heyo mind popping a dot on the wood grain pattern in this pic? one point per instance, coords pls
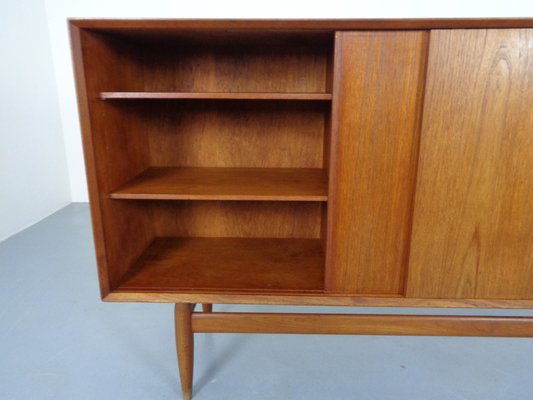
(473, 222)
(161, 26)
(234, 134)
(331, 87)
(353, 324)
(213, 95)
(265, 219)
(206, 307)
(322, 299)
(122, 139)
(184, 346)
(371, 186)
(244, 264)
(274, 184)
(90, 162)
(301, 155)
(235, 67)
(113, 154)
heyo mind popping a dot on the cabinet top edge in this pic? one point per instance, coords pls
(299, 24)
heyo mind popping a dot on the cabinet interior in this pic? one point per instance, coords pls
(211, 157)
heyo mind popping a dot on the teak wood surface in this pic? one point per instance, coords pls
(473, 222)
(427, 198)
(362, 324)
(274, 184)
(248, 264)
(185, 346)
(328, 162)
(375, 156)
(150, 27)
(212, 95)
(387, 222)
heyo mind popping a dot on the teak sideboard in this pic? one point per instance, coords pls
(301, 162)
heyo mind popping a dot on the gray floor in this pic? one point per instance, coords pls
(58, 341)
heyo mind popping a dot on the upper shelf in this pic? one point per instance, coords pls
(214, 95)
(267, 184)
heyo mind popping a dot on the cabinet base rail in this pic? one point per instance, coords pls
(189, 322)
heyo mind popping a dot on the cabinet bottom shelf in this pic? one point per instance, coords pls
(235, 264)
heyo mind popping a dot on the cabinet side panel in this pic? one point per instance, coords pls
(85, 124)
(114, 153)
(379, 82)
(473, 221)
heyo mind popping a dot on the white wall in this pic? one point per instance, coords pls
(59, 10)
(33, 170)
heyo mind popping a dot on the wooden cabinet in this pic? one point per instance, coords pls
(376, 163)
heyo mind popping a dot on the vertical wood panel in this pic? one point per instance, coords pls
(258, 219)
(235, 134)
(113, 153)
(231, 64)
(377, 99)
(473, 221)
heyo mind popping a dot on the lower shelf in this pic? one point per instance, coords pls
(237, 264)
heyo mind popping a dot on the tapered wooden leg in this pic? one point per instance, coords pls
(185, 346)
(207, 307)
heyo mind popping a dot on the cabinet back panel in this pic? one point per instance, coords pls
(235, 134)
(230, 67)
(237, 219)
(377, 100)
(473, 221)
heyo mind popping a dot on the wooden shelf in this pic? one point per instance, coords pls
(235, 264)
(213, 95)
(267, 184)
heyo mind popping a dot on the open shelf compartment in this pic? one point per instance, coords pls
(290, 65)
(235, 264)
(255, 164)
